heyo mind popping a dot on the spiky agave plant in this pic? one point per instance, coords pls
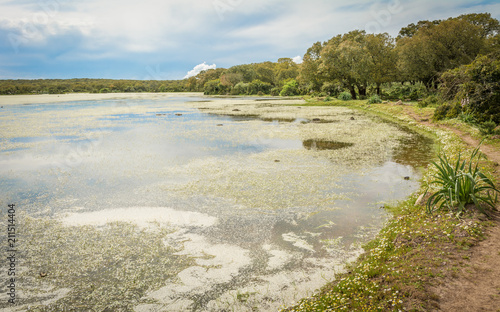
(461, 183)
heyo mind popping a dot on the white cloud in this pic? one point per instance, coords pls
(199, 68)
(297, 59)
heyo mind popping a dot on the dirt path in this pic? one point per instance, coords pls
(476, 286)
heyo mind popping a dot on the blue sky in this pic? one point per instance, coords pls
(153, 39)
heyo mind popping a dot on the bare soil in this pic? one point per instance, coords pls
(476, 285)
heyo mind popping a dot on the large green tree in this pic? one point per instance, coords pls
(284, 70)
(346, 59)
(380, 48)
(437, 48)
(309, 70)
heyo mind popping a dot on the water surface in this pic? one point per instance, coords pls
(246, 212)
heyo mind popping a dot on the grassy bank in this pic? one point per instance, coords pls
(415, 251)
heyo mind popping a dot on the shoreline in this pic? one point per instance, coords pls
(420, 261)
(72, 97)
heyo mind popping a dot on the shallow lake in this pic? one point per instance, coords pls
(194, 204)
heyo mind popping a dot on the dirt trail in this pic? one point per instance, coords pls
(476, 286)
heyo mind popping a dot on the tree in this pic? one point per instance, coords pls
(347, 59)
(285, 69)
(214, 87)
(208, 75)
(490, 27)
(433, 50)
(380, 48)
(412, 29)
(309, 71)
(231, 78)
(191, 84)
(290, 88)
(265, 72)
(456, 42)
(246, 72)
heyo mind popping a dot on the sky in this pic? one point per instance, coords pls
(163, 40)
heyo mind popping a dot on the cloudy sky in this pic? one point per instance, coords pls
(155, 39)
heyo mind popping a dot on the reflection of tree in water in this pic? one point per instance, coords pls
(414, 150)
(324, 145)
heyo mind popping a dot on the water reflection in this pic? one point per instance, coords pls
(324, 145)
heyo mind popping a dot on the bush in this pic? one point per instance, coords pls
(467, 118)
(460, 184)
(398, 91)
(487, 127)
(257, 86)
(240, 88)
(331, 88)
(374, 99)
(447, 110)
(476, 86)
(345, 96)
(431, 100)
(290, 88)
(275, 91)
(214, 87)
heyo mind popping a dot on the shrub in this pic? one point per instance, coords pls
(398, 91)
(345, 96)
(431, 100)
(275, 91)
(460, 184)
(476, 86)
(290, 88)
(374, 99)
(241, 88)
(331, 88)
(214, 87)
(447, 110)
(487, 127)
(467, 118)
(257, 86)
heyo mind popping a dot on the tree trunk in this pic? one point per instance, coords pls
(353, 92)
(378, 89)
(429, 83)
(361, 90)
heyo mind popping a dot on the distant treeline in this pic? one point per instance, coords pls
(59, 86)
